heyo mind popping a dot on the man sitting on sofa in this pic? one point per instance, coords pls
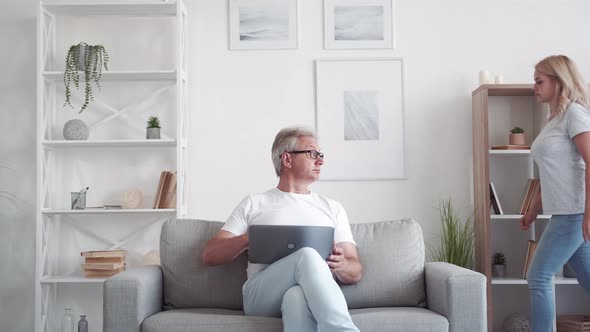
(301, 286)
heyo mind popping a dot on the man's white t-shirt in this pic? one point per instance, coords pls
(561, 167)
(276, 207)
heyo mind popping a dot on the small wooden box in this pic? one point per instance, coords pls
(573, 323)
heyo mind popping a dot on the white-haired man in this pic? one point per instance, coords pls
(300, 288)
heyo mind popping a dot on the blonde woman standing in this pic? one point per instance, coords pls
(561, 152)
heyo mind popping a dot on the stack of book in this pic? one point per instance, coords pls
(166, 193)
(103, 264)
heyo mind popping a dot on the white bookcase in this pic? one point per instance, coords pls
(146, 41)
(497, 109)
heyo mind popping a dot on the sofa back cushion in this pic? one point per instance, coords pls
(187, 282)
(392, 255)
(391, 252)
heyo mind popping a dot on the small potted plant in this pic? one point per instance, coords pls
(87, 58)
(499, 265)
(516, 136)
(153, 128)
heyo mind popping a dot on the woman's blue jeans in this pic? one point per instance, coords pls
(562, 242)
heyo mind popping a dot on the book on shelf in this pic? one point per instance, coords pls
(102, 266)
(102, 260)
(530, 252)
(532, 187)
(511, 147)
(104, 253)
(536, 191)
(165, 197)
(159, 189)
(102, 273)
(494, 200)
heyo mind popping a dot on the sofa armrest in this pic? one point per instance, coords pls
(458, 294)
(130, 297)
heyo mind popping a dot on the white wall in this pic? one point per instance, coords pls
(240, 99)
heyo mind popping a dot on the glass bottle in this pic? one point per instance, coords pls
(67, 322)
(83, 324)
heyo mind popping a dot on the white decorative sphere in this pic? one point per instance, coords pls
(76, 130)
(516, 322)
(132, 199)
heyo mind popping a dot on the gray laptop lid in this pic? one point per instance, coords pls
(269, 243)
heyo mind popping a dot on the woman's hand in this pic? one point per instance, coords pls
(526, 221)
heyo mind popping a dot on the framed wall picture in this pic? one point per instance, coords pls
(263, 24)
(360, 118)
(358, 24)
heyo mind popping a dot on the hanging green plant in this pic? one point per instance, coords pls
(87, 58)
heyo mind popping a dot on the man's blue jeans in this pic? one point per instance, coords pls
(561, 242)
(301, 287)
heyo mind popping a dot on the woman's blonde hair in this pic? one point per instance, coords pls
(570, 84)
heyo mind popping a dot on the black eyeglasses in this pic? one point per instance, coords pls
(313, 154)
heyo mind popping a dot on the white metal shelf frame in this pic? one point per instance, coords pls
(47, 85)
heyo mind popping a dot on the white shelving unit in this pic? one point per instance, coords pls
(497, 109)
(115, 158)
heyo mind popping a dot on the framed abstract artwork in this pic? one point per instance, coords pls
(360, 118)
(263, 24)
(358, 24)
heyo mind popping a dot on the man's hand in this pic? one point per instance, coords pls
(586, 228)
(344, 263)
(336, 260)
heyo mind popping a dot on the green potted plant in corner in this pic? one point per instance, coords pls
(516, 136)
(499, 265)
(153, 128)
(457, 238)
(87, 58)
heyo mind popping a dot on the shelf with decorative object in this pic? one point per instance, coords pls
(497, 110)
(108, 148)
(165, 75)
(134, 143)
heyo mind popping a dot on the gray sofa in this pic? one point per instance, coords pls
(398, 291)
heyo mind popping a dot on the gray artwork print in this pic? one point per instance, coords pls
(361, 115)
(264, 23)
(358, 23)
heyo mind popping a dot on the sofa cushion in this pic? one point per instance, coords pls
(400, 319)
(392, 255)
(213, 320)
(187, 282)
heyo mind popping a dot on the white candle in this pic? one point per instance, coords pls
(484, 77)
(499, 79)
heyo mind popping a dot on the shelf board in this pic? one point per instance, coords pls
(143, 8)
(56, 144)
(120, 75)
(71, 280)
(506, 89)
(559, 280)
(510, 152)
(517, 217)
(106, 211)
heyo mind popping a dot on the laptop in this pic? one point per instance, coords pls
(269, 243)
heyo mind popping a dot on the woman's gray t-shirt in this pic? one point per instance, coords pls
(561, 167)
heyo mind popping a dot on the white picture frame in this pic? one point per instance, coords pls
(360, 118)
(263, 24)
(359, 24)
